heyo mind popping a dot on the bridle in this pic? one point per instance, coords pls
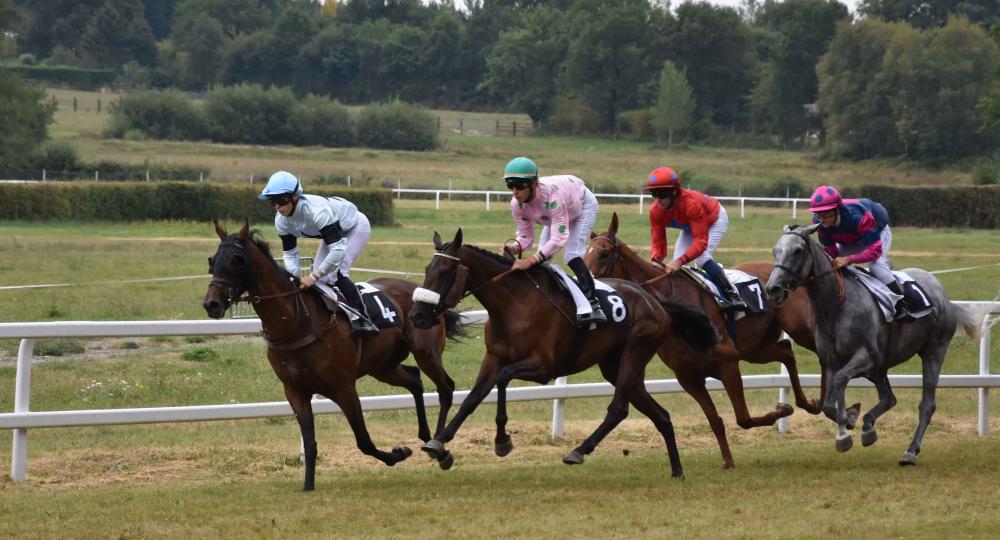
(815, 276)
(616, 259)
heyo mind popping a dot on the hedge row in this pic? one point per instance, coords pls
(136, 201)
(65, 75)
(975, 207)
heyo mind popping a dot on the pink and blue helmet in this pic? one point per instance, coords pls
(824, 198)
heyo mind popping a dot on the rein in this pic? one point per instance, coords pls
(616, 259)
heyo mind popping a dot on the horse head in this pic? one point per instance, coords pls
(231, 269)
(604, 256)
(794, 262)
(445, 281)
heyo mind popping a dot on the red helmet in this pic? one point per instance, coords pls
(663, 178)
(824, 198)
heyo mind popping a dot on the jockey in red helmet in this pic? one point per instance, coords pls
(702, 222)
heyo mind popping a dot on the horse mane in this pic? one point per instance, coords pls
(258, 240)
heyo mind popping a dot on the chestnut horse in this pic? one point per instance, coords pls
(312, 351)
(758, 336)
(531, 335)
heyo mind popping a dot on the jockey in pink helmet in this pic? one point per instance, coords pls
(854, 231)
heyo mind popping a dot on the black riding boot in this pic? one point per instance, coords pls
(731, 299)
(361, 326)
(586, 281)
(903, 305)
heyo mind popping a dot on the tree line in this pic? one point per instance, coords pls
(908, 78)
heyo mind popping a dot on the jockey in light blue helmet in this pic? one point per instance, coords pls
(281, 183)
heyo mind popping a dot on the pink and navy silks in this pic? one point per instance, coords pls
(861, 220)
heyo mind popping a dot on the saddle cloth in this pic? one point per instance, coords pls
(611, 303)
(885, 298)
(381, 311)
(748, 286)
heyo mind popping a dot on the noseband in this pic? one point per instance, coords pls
(815, 276)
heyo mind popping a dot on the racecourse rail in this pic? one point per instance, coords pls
(23, 419)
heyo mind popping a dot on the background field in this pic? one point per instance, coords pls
(241, 478)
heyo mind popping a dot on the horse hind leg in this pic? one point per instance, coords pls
(733, 382)
(886, 401)
(928, 402)
(694, 385)
(782, 352)
(408, 377)
(645, 403)
(345, 395)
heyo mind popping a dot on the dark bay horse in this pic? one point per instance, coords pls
(854, 340)
(758, 336)
(532, 335)
(312, 351)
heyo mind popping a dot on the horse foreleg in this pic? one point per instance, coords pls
(732, 380)
(430, 364)
(859, 363)
(345, 395)
(408, 377)
(928, 402)
(694, 385)
(480, 389)
(302, 407)
(529, 369)
(886, 401)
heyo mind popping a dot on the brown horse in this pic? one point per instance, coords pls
(312, 351)
(758, 336)
(532, 335)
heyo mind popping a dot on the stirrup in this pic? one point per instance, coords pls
(728, 304)
(363, 327)
(595, 316)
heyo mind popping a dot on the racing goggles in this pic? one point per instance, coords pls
(280, 200)
(517, 183)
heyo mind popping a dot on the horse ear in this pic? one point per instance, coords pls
(787, 228)
(219, 230)
(810, 229)
(244, 232)
(437, 241)
(614, 224)
(457, 242)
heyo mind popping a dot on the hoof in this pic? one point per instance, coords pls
(908, 458)
(404, 451)
(308, 487)
(434, 449)
(504, 448)
(844, 443)
(573, 458)
(852, 414)
(447, 461)
(868, 437)
(811, 407)
(784, 409)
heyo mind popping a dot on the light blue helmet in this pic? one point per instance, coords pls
(280, 183)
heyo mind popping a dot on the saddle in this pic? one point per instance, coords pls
(381, 310)
(748, 286)
(611, 302)
(917, 301)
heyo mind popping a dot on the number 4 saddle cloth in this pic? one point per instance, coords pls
(382, 312)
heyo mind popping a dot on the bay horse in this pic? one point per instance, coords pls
(312, 351)
(854, 340)
(532, 335)
(758, 335)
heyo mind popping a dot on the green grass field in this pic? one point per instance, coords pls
(238, 479)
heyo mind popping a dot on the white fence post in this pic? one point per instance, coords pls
(558, 412)
(641, 200)
(743, 207)
(437, 200)
(783, 398)
(22, 400)
(487, 201)
(984, 369)
(795, 207)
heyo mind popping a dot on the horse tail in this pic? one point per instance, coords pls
(693, 326)
(971, 318)
(454, 328)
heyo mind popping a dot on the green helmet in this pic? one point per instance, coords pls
(521, 167)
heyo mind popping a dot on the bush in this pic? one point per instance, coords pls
(159, 115)
(200, 354)
(58, 347)
(57, 156)
(67, 75)
(25, 120)
(987, 173)
(572, 117)
(27, 59)
(637, 123)
(397, 126)
(249, 114)
(953, 206)
(319, 121)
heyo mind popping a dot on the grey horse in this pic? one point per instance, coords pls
(853, 339)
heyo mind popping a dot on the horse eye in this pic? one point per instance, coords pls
(236, 262)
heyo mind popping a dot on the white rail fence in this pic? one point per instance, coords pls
(22, 418)
(504, 198)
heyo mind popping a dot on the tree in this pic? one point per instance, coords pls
(712, 46)
(329, 63)
(118, 32)
(675, 104)
(928, 14)
(199, 56)
(523, 67)
(26, 120)
(801, 31)
(857, 113)
(607, 59)
(9, 15)
(52, 23)
(989, 105)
